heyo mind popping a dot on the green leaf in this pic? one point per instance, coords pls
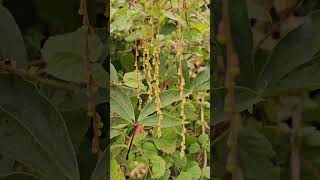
(245, 98)
(30, 123)
(115, 171)
(65, 55)
(113, 73)
(207, 172)
(296, 48)
(255, 155)
(184, 176)
(202, 78)
(121, 104)
(258, 11)
(195, 172)
(306, 77)
(167, 97)
(174, 16)
(242, 41)
(149, 150)
(194, 148)
(167, 141)
(168, 121)
(101, 170)
(6, 166)
(158, 166)
(11, 45)
(130, 80)
(77, 123)
(313, 140)
(203, 138)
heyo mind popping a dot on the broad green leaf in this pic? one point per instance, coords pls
(174, 16)
(195, 172)
(194, 148)
(245, 98)
(65, 55)
(113, 73)
(149, 150)
(255, 155)
(101, 171)
(158, 166)
(168, 121)
(242, 41)
(313, 140)
(203, 138)
(121, 104)
(77, 123)
(207, 172)
(202, 78)
(306, 77)
(30, 123)
(167, 97)
(295, 49)
(184, 176)
(167, 141)
(258, 10)
(115, 171)
(130, 80)
(11, 45)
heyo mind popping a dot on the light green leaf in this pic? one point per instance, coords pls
(195, 172)
(174, 16)
(184, 176)
(168, 121)
(115, 171)
(167, 97)
(194, 148)
(158, 166)
(202, 78)
(130, 80)
(113, 73)
(121, 104)
(167, 141)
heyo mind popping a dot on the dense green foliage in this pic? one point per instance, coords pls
(153, 157)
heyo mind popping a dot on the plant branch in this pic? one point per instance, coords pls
(42, 80)
(234, 118)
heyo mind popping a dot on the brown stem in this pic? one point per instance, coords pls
(295, 144)
(38, 79)
(234, 118)
(203, 132)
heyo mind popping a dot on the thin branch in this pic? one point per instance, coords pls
(42, 80)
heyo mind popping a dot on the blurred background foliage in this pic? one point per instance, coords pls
(277, 90)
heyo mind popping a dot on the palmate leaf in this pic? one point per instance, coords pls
(11, 45)
(30, 123)
(167, 97)
(121, 104)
